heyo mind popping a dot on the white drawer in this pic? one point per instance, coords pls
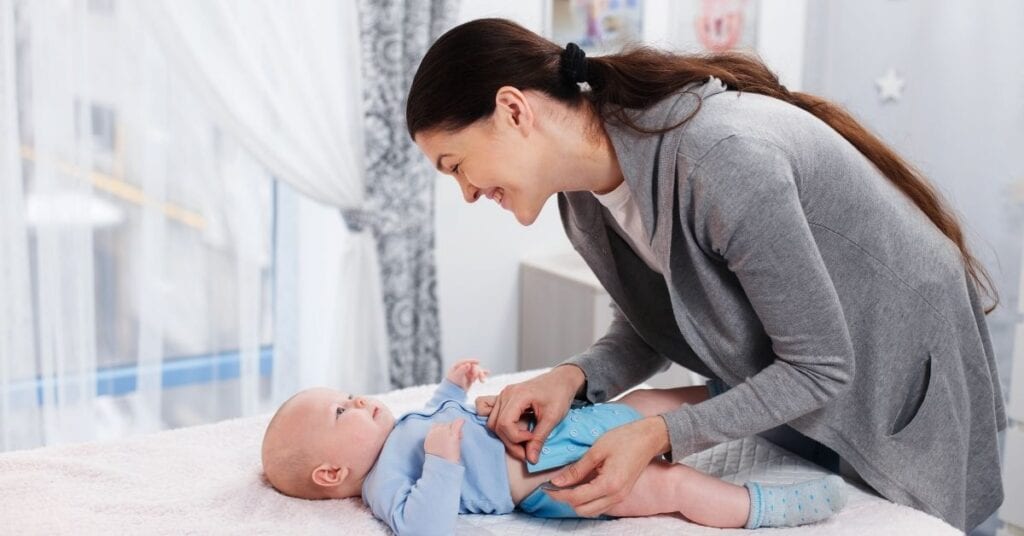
(1012, 510)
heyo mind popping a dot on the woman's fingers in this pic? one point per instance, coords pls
(577, 473)
(545, 423)
(547, 395)
(592, 498)
(597, 507)
(503, 421)
(507, 423)
(580, 495)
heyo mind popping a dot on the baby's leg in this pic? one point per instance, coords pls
(665, 487)
(649, 402)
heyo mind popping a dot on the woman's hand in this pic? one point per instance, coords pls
(548, 395)
(617, 458)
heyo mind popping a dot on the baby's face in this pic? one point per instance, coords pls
(322, 443)
(346, 429)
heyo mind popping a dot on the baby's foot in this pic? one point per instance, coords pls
(795, 504)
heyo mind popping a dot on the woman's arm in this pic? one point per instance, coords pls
(617, 361)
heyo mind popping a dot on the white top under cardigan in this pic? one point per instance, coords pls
(626, 214)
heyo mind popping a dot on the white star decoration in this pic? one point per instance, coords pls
(1017, 191)
(890, 86)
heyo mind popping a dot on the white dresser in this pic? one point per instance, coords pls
(563, 309)
(1012, 511)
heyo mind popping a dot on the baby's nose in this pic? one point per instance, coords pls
(360, 402)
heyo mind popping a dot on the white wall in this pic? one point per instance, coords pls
(479, 247)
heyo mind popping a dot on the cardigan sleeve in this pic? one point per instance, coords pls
(752, 217)
(617, 361)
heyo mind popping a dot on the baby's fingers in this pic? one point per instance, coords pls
(484, 405)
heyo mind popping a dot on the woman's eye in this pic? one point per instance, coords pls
(455, 170)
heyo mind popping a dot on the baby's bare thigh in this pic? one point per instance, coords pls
(521, 482)
(650, 402)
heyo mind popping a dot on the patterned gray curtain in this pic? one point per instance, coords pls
(395, 35)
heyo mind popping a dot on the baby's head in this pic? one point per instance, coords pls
(321, 443)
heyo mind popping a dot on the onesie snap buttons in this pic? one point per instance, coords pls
(545, 450)
(573, 432)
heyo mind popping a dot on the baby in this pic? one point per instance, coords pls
(418, 472)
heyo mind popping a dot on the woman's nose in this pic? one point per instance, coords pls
(469, 192)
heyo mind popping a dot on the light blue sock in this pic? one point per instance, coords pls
(795, 504)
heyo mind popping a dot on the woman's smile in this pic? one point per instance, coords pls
(499, 197)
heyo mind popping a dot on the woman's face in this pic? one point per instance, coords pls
(498, 157)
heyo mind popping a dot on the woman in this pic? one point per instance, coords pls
(757, 236)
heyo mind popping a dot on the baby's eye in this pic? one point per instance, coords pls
(339, 411)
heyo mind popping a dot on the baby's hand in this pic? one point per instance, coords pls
(444, 440)
(465, 372)
(484, 405)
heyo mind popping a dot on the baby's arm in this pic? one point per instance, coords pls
(460, 378)
(429, 505)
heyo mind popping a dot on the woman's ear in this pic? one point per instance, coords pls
(329, 476)
(512, 109)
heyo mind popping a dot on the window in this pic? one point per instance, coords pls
(139, 207)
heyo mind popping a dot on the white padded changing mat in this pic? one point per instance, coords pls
(206, 480)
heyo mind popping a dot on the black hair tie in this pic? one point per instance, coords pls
(573, 67)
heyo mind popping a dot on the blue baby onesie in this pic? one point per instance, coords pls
(418, 493)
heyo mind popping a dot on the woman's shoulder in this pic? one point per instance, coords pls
(751, 116)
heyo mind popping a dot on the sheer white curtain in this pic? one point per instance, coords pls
(16, 341)
(138, 146)
(134, 235)
(283, 79)
(47, 234)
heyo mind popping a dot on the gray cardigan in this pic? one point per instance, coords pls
(796, 273)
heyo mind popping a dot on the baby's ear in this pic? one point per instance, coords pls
(329, 476)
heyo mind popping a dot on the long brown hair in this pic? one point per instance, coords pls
(456, 82)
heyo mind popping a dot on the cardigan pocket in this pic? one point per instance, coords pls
(918, 404)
